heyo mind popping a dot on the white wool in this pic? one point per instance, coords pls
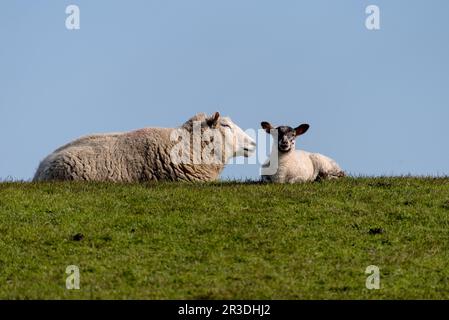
(302, 166)
(141, 155)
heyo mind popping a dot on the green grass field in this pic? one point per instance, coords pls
(226, 240)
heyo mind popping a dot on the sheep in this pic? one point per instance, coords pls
(288, 165)
(150, 153)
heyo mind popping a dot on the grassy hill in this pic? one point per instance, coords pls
(226, 240)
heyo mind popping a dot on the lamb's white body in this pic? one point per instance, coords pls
(302, 166)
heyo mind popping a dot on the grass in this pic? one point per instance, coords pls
(226, 240)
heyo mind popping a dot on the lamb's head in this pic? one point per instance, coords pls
(223, 134)
(285, 135)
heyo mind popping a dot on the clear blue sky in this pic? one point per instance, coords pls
(377, 101)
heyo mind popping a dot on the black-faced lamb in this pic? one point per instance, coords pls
(288, 165)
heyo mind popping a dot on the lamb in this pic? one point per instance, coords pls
(150, 154)
(289, 165)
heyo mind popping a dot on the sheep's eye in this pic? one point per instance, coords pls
(226, 125)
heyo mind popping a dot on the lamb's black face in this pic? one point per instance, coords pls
(286, 138)
(285, 135)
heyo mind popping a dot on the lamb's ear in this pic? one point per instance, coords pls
(212, 121)
(267, 126)
(301, 129)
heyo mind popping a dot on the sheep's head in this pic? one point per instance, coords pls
(236, 141)
(285, 135)
(219, 134)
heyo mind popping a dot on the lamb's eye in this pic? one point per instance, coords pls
(226, 125)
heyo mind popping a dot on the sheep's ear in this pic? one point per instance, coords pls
(267, 126)
(212, 121)
(301, 129)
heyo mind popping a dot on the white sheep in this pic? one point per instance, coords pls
(150, 153)
(289, 165)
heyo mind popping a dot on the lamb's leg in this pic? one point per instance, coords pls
(326, 167)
